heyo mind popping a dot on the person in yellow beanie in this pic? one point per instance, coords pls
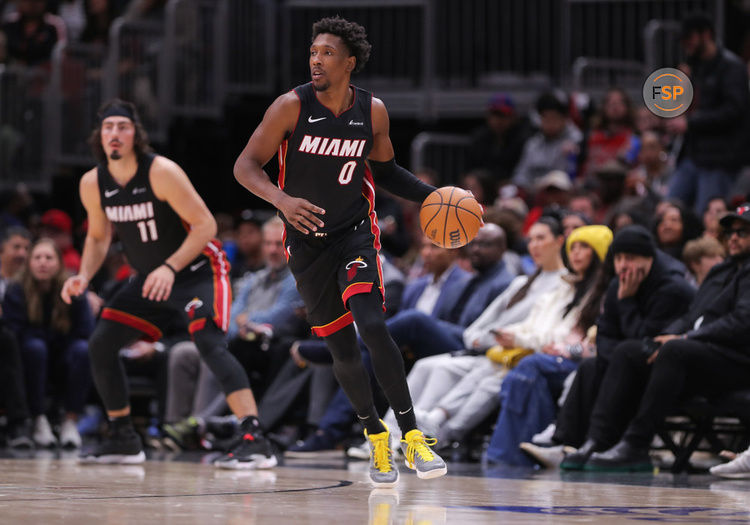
(530, 390)
(596, 236)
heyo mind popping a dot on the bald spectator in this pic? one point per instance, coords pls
(424, 335)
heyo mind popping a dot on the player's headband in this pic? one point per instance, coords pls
(117, 111)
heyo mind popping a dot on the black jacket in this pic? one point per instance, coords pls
(716, 280)
(718, 120)
(662, 297)
(726, 316)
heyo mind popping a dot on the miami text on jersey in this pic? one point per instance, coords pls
(332, 147)
(130, 212)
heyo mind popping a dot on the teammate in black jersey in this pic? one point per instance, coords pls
(167, 233)
(324, 132)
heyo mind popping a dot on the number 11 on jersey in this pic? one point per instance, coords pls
(148, 229)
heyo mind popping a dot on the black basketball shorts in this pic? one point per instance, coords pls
(332, 268)
(201, 292)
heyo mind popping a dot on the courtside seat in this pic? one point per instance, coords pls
(707, 424)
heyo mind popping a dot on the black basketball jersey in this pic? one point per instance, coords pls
(149, 229)
(323, 160)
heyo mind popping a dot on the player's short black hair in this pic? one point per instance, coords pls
(697, 22)
(352, 34)
(140, 143)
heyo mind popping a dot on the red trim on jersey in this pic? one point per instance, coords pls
(283, 147)
(333, 326)
(299, 112)
(354, 99)
(198, 324)
(222, 286)
(368, 191)
(152, 332)
(287, 253)
(354, 289)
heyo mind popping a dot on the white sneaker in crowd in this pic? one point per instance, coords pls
(69, 436)
(547, 457)
(43, 435)
(738, 468)
(361, 451)
(544, 438)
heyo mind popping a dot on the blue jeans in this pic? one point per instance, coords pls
(528, 405)
(695, 186)
(36, 357)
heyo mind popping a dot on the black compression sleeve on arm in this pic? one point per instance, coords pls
(399, 181)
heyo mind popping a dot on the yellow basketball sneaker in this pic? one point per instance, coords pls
(383, 471)
(420, 457)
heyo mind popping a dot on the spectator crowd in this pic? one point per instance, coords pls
(610, 281)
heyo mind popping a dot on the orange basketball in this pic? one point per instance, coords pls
(450, 217)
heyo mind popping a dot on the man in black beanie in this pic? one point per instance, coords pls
(704, 352)
(643, 298)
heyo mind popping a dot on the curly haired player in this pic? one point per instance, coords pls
(333, 147)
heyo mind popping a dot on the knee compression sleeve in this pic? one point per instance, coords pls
(212, 346)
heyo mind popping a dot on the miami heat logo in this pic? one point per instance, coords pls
(192, 306)
(351, 267)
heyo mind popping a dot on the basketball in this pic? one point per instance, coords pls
(450, 217)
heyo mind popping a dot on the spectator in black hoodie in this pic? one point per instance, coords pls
(648, 292)
(704, 352)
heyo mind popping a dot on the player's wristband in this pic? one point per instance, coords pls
(170, 267)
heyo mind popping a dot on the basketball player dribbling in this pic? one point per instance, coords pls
(333, 146)
(167, 234)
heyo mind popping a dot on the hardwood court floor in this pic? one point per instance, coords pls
(56, 491)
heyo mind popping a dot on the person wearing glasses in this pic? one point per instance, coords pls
(704, 352)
